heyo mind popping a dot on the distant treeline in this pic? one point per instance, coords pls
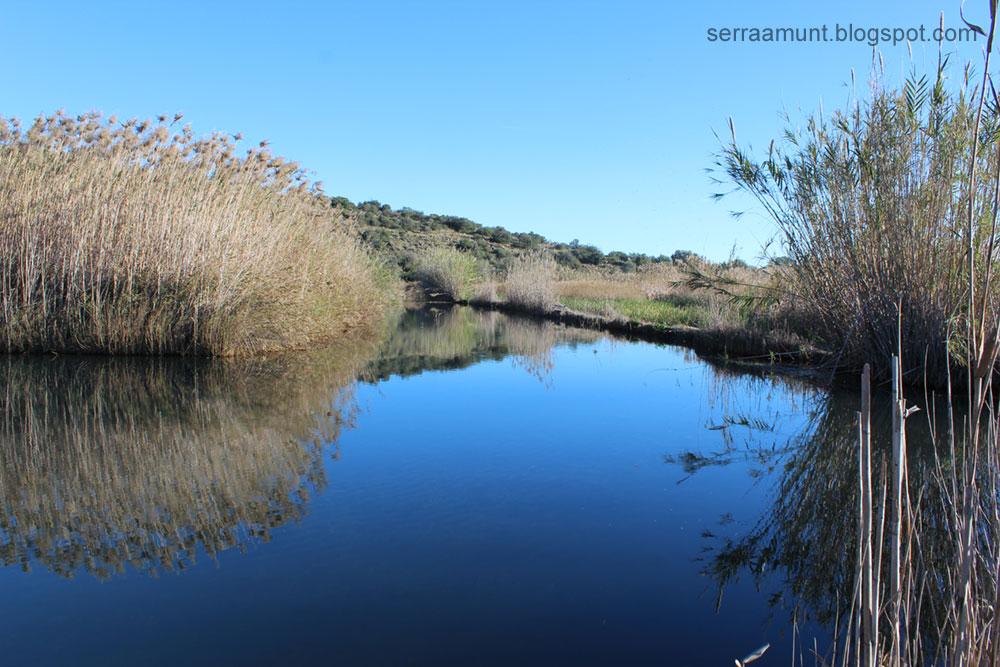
(385, 228)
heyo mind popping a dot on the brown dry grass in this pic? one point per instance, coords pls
(648, 283)
(140, 238)
(531, 283)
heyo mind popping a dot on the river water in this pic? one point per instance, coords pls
(472, 488)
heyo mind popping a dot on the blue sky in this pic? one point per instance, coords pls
(588, 120)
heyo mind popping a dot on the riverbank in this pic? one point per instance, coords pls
(733, 344)
(748, 349)
(657, 304)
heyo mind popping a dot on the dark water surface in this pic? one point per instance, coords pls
(473, 489)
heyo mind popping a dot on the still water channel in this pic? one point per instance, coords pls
(472, 488)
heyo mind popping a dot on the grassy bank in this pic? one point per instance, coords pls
(139, 237)
(655, 294)
(655, 303)
(662, 313)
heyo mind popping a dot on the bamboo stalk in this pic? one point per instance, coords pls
(866, 651)
(896, 527)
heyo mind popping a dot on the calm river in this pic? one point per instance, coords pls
(471, 489)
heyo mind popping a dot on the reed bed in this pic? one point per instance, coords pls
(888, 211)
(927, 585)
(138, 237)
(872, 204)
(530, 283)
(926, 562)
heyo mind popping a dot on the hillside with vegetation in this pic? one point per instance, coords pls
(454, 258)
(405, 234)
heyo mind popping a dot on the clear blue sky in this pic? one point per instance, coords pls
(589, 120)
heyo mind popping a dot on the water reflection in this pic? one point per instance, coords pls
(111, 463)
(511, 516)
(107, 462)
(450, 338)
(808, 535)
(749, 419)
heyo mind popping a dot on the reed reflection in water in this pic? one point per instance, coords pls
(450, 338)
(147, 462)
(808, 535)
(108, 462)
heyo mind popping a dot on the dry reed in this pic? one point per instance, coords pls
(138, 237)
(530, 283)
(938, 601)
(871, 204)
(450, 272)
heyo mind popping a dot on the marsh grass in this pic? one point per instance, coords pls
(651, 282)
(530, 283)
(926, 564)
(487, 290)
(926, 588)
(451, 272)
(888, 211)
(663, 294)
(138, 237)
(664, 313)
